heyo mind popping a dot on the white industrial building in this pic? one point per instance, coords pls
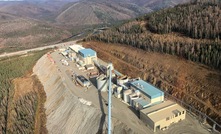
(160, 116)
(76, 48)
(88, 56)
(148, 92)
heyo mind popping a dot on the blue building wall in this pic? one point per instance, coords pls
(87, 52)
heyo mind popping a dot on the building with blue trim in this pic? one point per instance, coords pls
(88, 56)
(148, 92)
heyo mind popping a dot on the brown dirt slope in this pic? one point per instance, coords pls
(195, 84)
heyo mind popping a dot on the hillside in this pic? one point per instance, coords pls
(42, 10)
(22, 33)
(95, 12)
(174, 61)
(151, 33)
(74, 13)
(194, 20)
(84, 12)
(158, 4)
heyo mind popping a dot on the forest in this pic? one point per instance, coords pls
(190, 31)
(17, 116)
(199, 20)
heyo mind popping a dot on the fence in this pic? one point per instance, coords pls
(202, 117)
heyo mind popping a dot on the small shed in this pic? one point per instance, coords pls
(89, 67)
(83, 81)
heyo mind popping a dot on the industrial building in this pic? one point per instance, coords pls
(88, 56)
(148, 92)
(82, 81)
(160, 116)
(126, 94)
(118, 91)
(89, 67)
(76, 48)
(140, 104)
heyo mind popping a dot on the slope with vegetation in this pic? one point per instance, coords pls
(172, 60)
(200, 20)
(40, 10)
(158, 4)
(84, 12)
(21, 96)
(139, 34)
(22, 33)
(98, 12)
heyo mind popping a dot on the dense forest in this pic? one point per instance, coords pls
(199, 20)
(18, 116)
(190, 31)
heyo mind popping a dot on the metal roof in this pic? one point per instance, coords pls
(87, 52)
(76, 48)
(162, 111)
(146, 88)
(142, 102)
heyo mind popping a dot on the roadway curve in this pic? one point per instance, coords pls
(36, 49)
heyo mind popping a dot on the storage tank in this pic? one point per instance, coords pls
(122, 80)
(102, 83)
(126, 95)
(132, 97)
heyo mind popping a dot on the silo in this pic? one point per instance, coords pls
(132, 97)
(102, 83)
(126, 95)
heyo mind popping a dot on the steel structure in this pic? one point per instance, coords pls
(110, 68)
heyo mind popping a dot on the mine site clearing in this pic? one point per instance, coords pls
(84, 74)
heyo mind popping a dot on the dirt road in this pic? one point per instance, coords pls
(36, 49)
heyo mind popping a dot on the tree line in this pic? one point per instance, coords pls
(11, 68)
(200, 20)
(180, 38)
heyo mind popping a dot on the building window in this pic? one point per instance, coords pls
(168, 118)
(183, 112)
